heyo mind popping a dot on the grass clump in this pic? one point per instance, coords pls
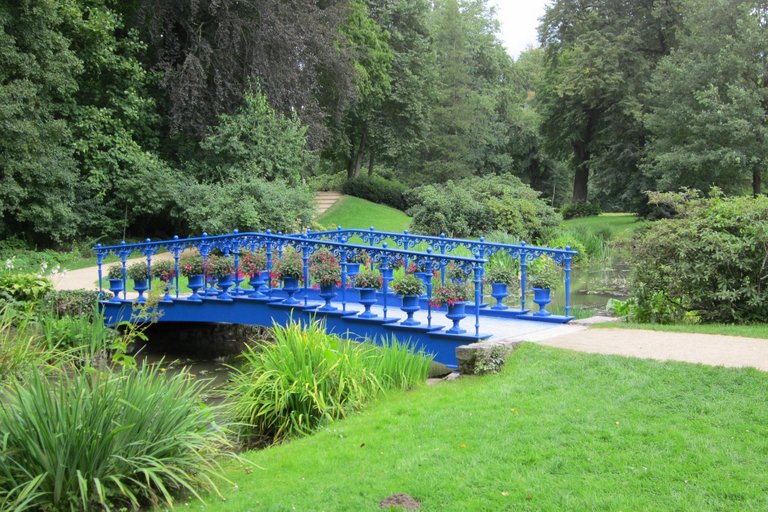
(96, 440)
(355, 213)
(306, 377)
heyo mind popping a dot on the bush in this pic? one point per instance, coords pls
(377, 189)
(709, 262)
(580, 209)
(474, 206)
(307, 376)
(23, 287)
(93, 441)
(74, 302)
(408, 284)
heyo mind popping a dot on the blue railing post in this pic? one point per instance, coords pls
(176, 255)
(429, 290)
(124, 252)
(99, 261)
(442, 261)
(305, 259)
(343, 264)
(567, 268)
(148, 254)
(204, 250)
(482, 269)
(236, 257)
(478, 268)
(523, 264)
(269, 261)
(385, 279)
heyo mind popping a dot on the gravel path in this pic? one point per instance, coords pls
(710, 349)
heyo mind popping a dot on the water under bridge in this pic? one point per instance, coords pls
(258, 299)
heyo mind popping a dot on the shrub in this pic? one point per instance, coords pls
(253, 262)
(710, 261)
(306, 377)
(191, 265)
(115, 271)
(544, 273)
(165, 270)
(377, 189)
(598, 245)
(73, 302)
(23, 287)
(501, 273)
(473, 206)
(408, 284)
(580, 209)
(220, 266)
(455, 272)
(93, 441)
(291, 264)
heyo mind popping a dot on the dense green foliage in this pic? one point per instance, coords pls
(556, 430)
(475, 206)
(352, 212)
(103, 440)
(378, 190)
(307, 377)
(707, 264)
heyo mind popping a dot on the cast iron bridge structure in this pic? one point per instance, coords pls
(260, 301)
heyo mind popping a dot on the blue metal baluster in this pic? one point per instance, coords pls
(99, 261)
(371, 237)
(482, 270)
(204, 249)
(269, 262)
(523, 265)
(238, 290)
(406, 247)
(148, 253)
(429, 291)
(305, 258)
(442, 261)
(338, 233)
(343, 264)
(478, 268)
(176, 270)
(385, 280)
(567, 261)
(123, 258)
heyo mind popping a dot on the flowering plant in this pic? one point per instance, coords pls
(450, 294)
(165, 270)
(138, 271)
(253, 262)
(324, 268)
(220, 266)
(544, 273)
(408, 285)
(115, 271)
(291, 265)
(455, 273)
(501, 274)
(369, 279)
(360, 256)
(191, 265)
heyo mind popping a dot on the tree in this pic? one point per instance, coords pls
(709, 101)
(599, 56)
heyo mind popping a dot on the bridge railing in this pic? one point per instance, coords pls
(274, 245)
(479, 249)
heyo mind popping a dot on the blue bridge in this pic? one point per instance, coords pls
(244, 294)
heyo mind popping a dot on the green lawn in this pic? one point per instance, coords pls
(617, 225)
(749, 331)
(557, 430)
(353, 212)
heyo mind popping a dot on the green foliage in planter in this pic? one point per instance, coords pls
(710, 261)
(369, 279)
(138, 271)
(307, 377)
(115, 271)
(253, 262)
(360, 256)
(97, 440)
(498, 272)
(324, 268)
(408, 284)
(291, 265)
(378, 190)
(23, 287)
(165, 270)
(450, 294)
(455, 272)
(543, 272)
(220, 266)
(191, 265)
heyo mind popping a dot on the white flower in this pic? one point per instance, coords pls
(9, 264)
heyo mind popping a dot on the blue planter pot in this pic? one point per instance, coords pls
(167, 285)
(541, 296)
(194, 284)
(238, 280)
(290, 287)
(258, 282)
(225, 282)
(116, 287)
(499, 292)
(410, 306)
(456, 314)
(353, 269)
(211, 290)
(367, 299)
(327, 293)
(140, 285)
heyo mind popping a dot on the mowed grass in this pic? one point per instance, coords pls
(618, 224)
(557, 430)
(355, 213)
(749, 331)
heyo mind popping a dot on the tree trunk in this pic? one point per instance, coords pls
(360, 153)
(370, 163)
(756, 181)
(580, 182)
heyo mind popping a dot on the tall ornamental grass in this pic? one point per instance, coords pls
(306, 377)
(94, 441)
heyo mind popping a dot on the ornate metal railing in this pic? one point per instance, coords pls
(443, 245)
(306, 244)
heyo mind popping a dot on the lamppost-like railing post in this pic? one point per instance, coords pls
(176, 256)
(99, 261)
(567, 268)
